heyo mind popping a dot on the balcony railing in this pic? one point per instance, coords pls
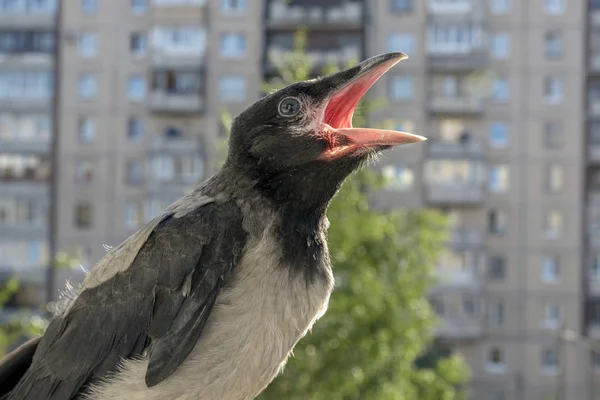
(463, 61)
(468, 105)
(24, 229)
(38, 146)
(450, 7)
(162, 101)
(468, 149)
(459, 328)
(595, 17)
(466, 238)
(21, 188)
(320, 58)
(178, 145)
(162, 59)
(282, 14)
(454, 193)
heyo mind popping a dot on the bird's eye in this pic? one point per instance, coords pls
(289, 107)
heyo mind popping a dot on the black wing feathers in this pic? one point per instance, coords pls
(163, 298)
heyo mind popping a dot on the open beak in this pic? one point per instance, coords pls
(345, 89)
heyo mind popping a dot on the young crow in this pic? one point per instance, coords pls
(207, 301)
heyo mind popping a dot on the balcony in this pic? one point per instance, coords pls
(181, 60)
(465, 278)
(177, 146)
(594, 107)
(446, 62)
(594, 63)
(454, 194)
(288, 15)
(459, 328)
(450, 7)
(27, 19)
(595, 17)
(30, 189)
(40, 146)
(466, 149)
(466, 238)
(24, 229)
(172, 102)
(465, 105)
(594, 153)
(319, 58)
(594, 331)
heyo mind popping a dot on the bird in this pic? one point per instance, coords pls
(208, 299)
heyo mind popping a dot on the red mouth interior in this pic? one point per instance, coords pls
(340, 109)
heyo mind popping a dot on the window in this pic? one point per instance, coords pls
(401, 88)
(454, 172)
(25, 84)
(498, 135)
(553, 90)
(89, 6)
(134, 173)
(498, 396)
(232, 88)
(497, 268)
(179, 40)
(549, 270)
(496, 313)
(137, 44)
(549, 360)
(88, 87)
(398, 178)
(553, 44)
(450, 87)
(593, 311)
(437, 305)
(402, 42)
(453, 39)
(554, 178)
(88, 45)
(86, 130)
(500, 6)
(83, 216)
(596, 361)
(162, 168)
(133, 215)
(135, 129)
(401, 5)
(595, 268)
(84, 172)
(469, 306)
(553, 224)
(500, 45)
(553, 135)
(551, 316)
(497, 222)
(555, 6)
(177, 81)
(173, 133)
(500, 91)
(495, 360)
(233, 6)
(499, 179)
(139, 6)
(233, 45)
(136, 88)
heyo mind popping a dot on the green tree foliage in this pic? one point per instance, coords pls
(371, 342)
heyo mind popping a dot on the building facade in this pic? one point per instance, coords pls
(505, 90)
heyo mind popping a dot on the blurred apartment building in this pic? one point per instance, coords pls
(507, 91)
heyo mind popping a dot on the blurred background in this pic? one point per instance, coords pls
(112, 109)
